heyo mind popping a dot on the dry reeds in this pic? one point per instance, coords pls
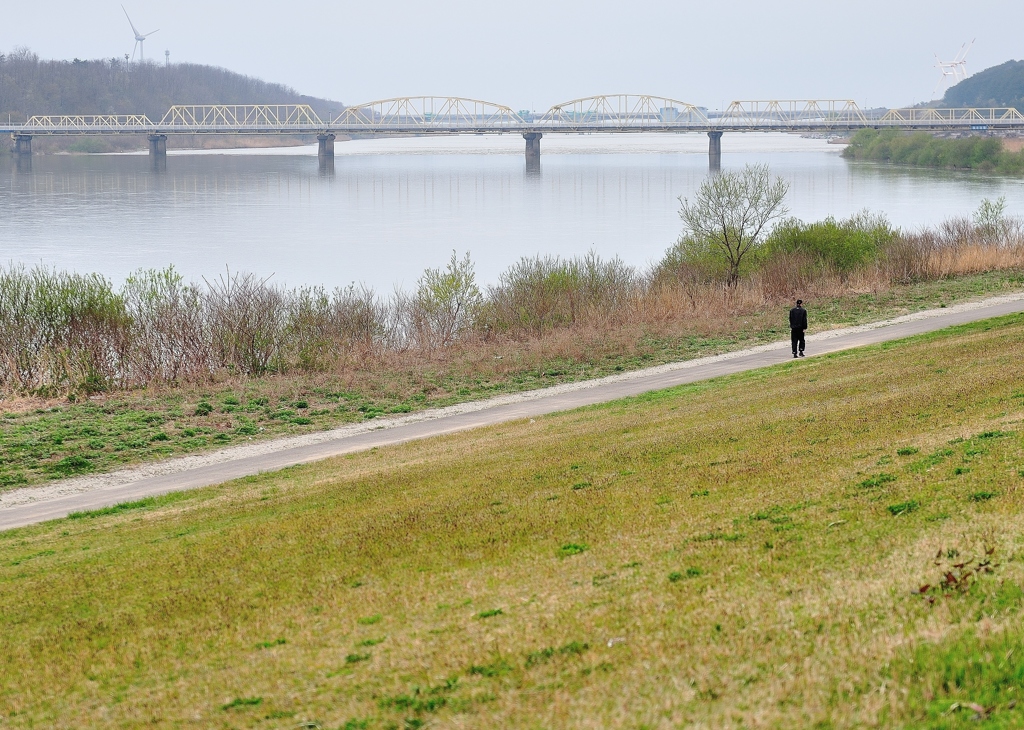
(63, 332)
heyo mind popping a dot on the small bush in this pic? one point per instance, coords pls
(908, 451)
(840, 246)
(203, 408)
(491, 613)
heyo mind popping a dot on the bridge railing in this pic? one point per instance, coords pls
(426, 113)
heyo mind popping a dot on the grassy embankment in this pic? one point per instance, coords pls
(986, 154)
(746, 552)
(51, 438)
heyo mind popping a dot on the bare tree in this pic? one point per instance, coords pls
(732, 210)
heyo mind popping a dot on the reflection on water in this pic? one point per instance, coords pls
(393, 207)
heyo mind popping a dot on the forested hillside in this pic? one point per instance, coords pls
(1001, 85)
(31, 86)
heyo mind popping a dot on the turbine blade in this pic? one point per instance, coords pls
(150, 33)
(130, 21)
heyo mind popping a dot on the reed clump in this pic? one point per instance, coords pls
(64, 333)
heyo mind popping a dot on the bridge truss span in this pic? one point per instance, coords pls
(426, 115)
(970, 118)
(622, 112)
(767, 115)
(240, 118)
(86, 124)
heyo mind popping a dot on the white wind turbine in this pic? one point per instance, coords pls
(955, 69)
(139, 38)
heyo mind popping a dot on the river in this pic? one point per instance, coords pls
(395, 207)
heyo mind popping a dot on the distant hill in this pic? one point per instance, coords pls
(31, 86)
(1001, 85)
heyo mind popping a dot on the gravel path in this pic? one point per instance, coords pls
(56, 499)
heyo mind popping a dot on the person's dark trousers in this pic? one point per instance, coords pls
(798, 341)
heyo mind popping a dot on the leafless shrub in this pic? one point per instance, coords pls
(168, 329)
(247, 323)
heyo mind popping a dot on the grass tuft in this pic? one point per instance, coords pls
(240, 702)
(572, 548)
(902, 508)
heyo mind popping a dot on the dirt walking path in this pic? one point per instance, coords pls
(36, 504)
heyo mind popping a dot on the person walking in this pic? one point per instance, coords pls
(798, 324)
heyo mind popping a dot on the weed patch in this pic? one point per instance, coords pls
(877, 480)
(145, 503)
(983, 496)
(572, 548)
(242, 702)
(902, 508)
(271, 644)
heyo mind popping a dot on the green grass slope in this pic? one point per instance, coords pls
(827, 543)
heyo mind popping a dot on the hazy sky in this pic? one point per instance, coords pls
(535, 55)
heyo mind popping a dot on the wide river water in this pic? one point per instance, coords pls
(395, 207)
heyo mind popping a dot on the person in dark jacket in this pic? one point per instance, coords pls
(798, 324)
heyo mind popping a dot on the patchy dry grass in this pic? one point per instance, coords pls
(51, 439)
(734, 561)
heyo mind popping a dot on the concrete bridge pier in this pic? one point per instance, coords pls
(715, 151)
(158, 151)
(532, 150)
(23, 145)
(325, 152)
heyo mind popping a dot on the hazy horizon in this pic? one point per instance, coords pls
(878, 54)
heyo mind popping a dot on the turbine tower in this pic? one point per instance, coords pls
(955, 69)
(139, 38)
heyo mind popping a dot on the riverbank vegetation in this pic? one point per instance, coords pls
(827, 543)
(966, 153)
(95, 376)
